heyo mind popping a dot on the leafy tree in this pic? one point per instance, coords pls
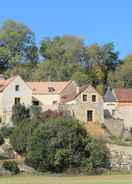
(62, 143)
(18, 42)
(121, 77)
(5, 56)
(19, 113)
(81, 78)
(24, 70)
(6, 131)
(66, 49)
(21, 134)
(101, 60)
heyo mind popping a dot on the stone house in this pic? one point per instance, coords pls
(118, 104)
(48, 94)
(12, 91)
(85, 104)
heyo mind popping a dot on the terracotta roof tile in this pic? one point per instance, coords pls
(46, 87)
(73, 95)
(4, 83)
(123, 94)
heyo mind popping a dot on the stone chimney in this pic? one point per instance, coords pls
(77, 89)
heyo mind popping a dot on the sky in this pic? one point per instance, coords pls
(97, 21)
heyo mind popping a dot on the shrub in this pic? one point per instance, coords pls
(62, 143)
(21, 134)
(19, 113)
(11, 166)
(1, 140)
(6, 131)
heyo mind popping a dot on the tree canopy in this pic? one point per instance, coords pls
(60, 58)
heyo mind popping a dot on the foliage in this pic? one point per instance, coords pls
(121, 77)
(19, 113)
(6, 131)
(62, 143)
(21, 134)
(1, 140)
(11, 166)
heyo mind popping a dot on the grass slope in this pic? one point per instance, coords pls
(118, 179)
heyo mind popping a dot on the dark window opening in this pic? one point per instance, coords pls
(51, 89)
(93, 98)
(54, 102)
(113, 112)
(17, 87)
(17, 100)
(84, 98)
(89, 115)
(36, 103)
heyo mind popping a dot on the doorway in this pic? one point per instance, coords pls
(89, 115)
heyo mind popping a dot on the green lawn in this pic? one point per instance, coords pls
(116, 179)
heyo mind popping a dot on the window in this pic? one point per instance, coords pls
(51, 89)
(84, 98)
(113, 112)
(54, 102)
(36, 103)
(17, 100)
(89, 115)
(93, 98)
(17, 87)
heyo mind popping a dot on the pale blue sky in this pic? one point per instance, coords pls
(96, 20)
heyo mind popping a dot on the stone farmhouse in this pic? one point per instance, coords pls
(84, 103)
(13, 91)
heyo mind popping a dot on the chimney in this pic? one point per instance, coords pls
(77, 89)
(2, 77)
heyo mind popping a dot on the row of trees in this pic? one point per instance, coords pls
(61, 58)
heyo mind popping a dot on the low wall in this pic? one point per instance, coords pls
(115, 127)
(120, 157)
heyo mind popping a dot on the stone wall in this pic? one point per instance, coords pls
(120, 157)
(115, 127)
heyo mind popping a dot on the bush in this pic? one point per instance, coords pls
(21, 134)
(11, 166)
(19, 113)
(6, 131)
(1, 140)
(62, 143)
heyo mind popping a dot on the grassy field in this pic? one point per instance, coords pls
(116, 179)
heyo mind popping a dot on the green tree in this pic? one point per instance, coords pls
(62, 143)
(21, 134)
(19, 113)
(121, 77)
(17, 44)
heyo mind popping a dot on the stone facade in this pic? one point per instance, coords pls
(81, 109)
(10, 94)
(120, 157)
(118, 105)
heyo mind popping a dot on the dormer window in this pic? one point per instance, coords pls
(84, 98)
(51, 89)
(17, 87)
(93, 98)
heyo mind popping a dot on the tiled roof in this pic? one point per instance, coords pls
(45, 87)
(4, 83)
(72, 96)
(123, 94)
